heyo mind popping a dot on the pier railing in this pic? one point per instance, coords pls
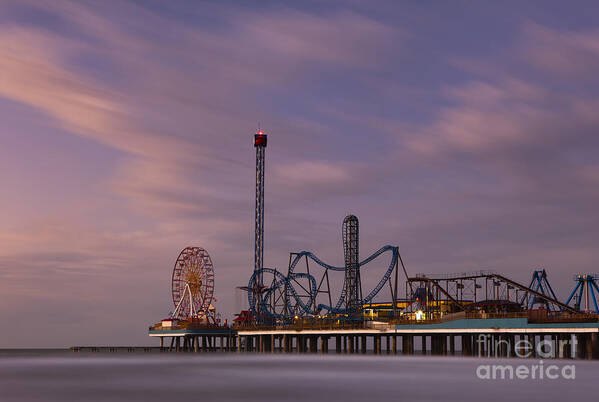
(323, 324)
(533, 316)
(538, 316)
(188, 325)
(320, 324)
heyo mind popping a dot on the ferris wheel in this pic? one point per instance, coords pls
(192, 284)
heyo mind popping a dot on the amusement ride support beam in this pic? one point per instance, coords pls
(438, 287)
(534, 293)
(492, 276)
(351, 250)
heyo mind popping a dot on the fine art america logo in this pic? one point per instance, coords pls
(525, 349)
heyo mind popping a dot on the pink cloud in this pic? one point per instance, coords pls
(569, 52)
(484, 117)
(308, 173)
(341, 38)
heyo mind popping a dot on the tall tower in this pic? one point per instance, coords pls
(260, 145)
(353, 287)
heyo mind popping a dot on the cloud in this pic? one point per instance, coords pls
(486, 117)
(590, 173)
(201, 88)
(344, 39)
(558, 51)
(318, 173)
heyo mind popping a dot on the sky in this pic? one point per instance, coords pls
(464, 132)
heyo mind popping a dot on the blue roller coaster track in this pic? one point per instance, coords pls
(258, 300)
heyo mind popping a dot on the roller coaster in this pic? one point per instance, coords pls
(297, 294)
(480, 291)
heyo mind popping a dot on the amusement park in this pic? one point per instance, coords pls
(357, 308)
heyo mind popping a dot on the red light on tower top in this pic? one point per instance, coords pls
(260, 139)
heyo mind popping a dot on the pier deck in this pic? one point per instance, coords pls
(467, 337)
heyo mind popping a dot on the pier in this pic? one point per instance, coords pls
(501, 337)
(196, 339)
(472, 337)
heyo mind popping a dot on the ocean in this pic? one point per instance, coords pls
(59, 375)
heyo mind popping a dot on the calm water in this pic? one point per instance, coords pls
(67, 376)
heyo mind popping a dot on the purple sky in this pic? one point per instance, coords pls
(467, 133)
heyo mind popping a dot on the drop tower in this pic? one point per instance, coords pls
(260, 145)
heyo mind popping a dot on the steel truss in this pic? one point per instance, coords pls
(540, 283)
(586, 285)
(352, 284)
(478, 290)
(260, 145)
